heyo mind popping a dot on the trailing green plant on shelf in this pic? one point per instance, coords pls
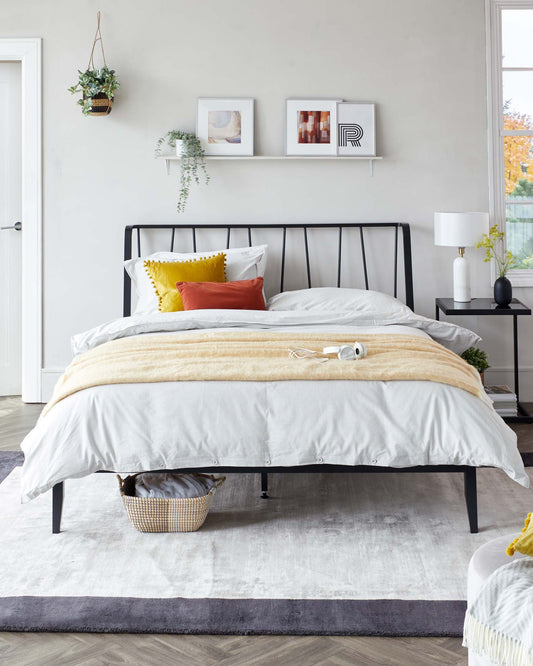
(477, 358)
(192, 161)
(94, 84)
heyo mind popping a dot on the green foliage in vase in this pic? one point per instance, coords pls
(192, 162)
(477, 358)
(92, 82)
(494, 249)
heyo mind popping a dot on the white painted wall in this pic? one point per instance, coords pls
(421, 61)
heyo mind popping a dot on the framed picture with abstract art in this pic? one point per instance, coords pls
(311, 127)
(356, 129)
(225, 126)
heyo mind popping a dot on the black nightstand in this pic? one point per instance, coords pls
(486, 306)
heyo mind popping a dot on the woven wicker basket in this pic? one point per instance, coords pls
(154, 514)
(101, 105)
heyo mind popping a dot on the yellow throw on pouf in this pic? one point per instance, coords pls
(524, 542)
(262, 356)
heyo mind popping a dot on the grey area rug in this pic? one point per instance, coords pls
(9, 460)
(378, 617)
(417, 527)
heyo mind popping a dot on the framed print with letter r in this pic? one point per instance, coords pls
(356, 129)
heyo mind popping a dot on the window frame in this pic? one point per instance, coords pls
(522, 277)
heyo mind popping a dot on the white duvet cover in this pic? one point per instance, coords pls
(136, 427)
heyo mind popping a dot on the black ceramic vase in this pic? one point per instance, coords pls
(503, 291)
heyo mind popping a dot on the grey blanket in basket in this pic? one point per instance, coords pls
(167, 485)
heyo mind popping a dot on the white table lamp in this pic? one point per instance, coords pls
(460, 230)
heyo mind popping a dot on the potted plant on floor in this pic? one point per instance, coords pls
(189, 149)
(495, 249)
(477, 358)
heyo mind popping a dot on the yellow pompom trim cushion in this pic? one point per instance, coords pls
(523, 543)
(165, 274)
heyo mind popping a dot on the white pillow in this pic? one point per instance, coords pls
(242, 263)
(338, 299)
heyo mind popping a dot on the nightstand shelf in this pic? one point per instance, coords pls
(487, 307)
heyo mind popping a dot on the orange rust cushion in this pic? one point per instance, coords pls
(240, 295)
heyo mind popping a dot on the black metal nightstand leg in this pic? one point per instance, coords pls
(515, 357)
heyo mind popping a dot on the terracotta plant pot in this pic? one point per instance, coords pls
(482, 375)
(101, 105)
(503, 291)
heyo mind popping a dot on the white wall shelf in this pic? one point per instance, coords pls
(212, 158)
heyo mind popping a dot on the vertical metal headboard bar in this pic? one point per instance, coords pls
(194, 239)
(249, 237)
(308, 265)
(408, 266)
(228, 238)
(339, 260)
(138, 242)
(172, 239)
(364, 256)
(126, 302)
(395, 261)
(283, 258)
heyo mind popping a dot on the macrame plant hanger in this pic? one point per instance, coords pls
(101, 104)
(97, 38)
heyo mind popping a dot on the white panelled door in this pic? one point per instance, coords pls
(10, 238)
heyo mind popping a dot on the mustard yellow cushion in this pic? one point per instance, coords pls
(523, 543)
(165, 274)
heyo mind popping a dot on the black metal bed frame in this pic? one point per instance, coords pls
(469, 472)
(228, 228)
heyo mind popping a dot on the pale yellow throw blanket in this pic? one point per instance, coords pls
(261, 356)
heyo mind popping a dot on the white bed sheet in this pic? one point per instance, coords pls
(136, 427)
(450, 335)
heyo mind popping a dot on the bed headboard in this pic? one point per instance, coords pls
(134, 235)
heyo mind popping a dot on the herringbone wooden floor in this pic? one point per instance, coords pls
(133, 650)
(38, 649)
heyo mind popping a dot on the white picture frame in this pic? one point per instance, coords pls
(225, 125)
(310, 136)
(356, 129)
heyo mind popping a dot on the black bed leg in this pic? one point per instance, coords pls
(264, 485)
(57, 507)
(471, 498)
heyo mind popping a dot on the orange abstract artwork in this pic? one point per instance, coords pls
(314, 127)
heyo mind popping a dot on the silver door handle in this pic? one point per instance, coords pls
(17, 226)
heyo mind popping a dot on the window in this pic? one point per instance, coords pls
(511, 128)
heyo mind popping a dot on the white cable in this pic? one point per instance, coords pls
(301, 353)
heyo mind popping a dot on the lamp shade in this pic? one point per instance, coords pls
(460, 229)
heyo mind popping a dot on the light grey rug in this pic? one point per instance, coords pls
(367, 554)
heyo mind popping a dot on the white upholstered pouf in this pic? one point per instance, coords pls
(487, 558)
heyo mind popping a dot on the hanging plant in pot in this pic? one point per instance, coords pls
(495, 249)
(97, 86)
(189, 148)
